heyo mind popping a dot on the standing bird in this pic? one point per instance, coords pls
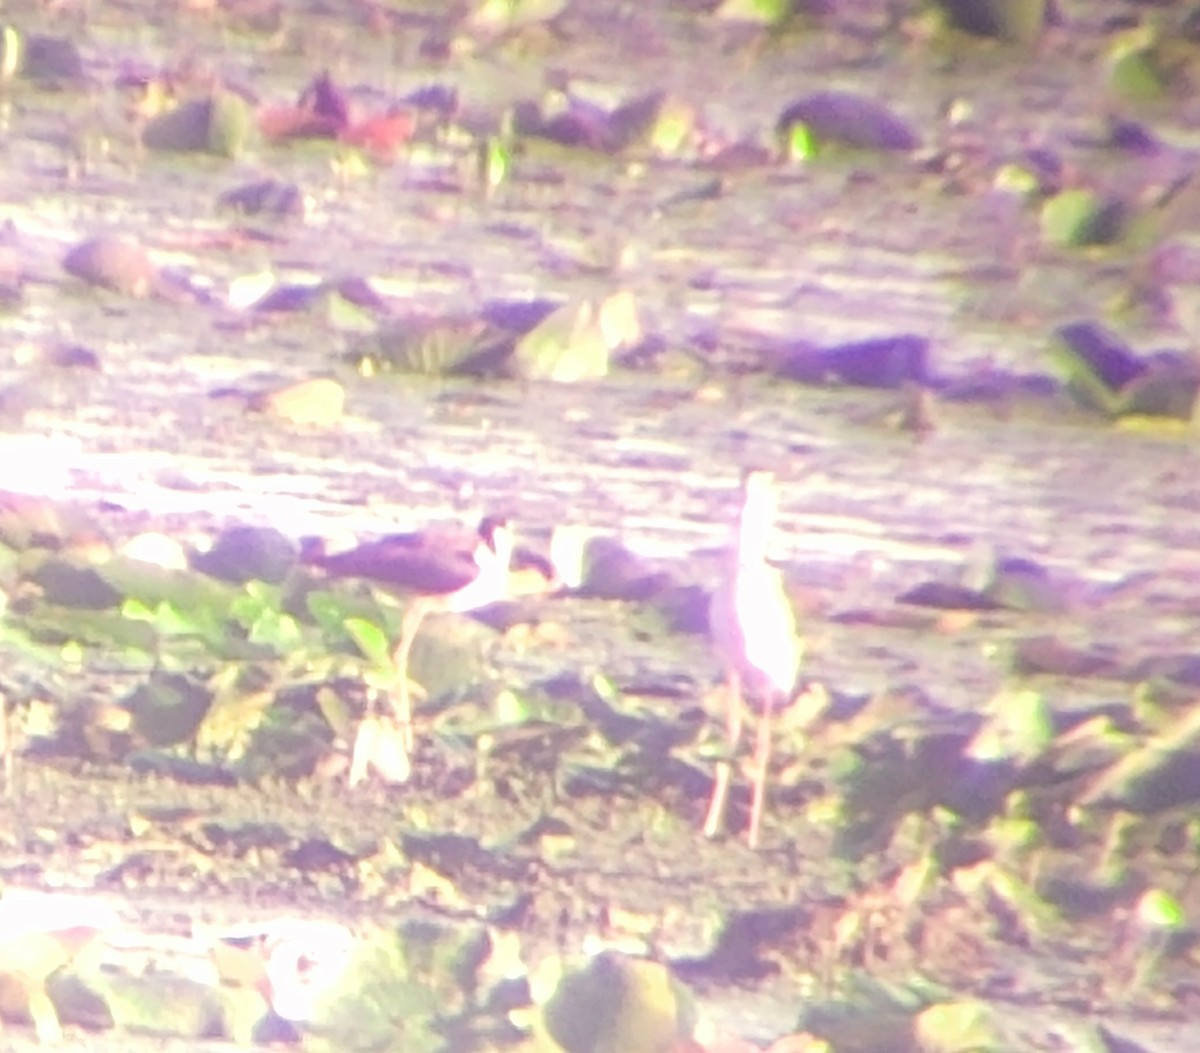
(754, 629)
(487, 583)
(449, 570)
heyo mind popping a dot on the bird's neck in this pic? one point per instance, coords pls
(496, 560)
(753, 531)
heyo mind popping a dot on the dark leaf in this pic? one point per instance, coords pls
(247, 553)
(850, 120)
(1019, 21)
(882, 362)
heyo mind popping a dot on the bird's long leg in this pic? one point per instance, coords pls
(733, 733)
(386, 743)
(413, 618)
(762, 761)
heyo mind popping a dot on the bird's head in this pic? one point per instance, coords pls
(759, 505)
(496, 534)
(760, 492)
(758, 481)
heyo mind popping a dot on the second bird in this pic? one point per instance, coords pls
(754, 629)
(448, 569)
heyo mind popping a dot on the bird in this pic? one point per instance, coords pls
(753, 626)
(450, 570)
(437, 559)
(484, 583)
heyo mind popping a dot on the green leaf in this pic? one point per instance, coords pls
(278, 631)
(346, 316)
(95, 628)
(230, 125)
(1019, 728)
(1160, 910)
(1078, 217)
(332, 610)
(511, 708)
(372, 641)
(19, 639)
(756, 12)
(443, 346)
(617, 1002)
(1016, 21)
(493, 17)
(1084, 382)
(186, 590)
(494, 163)
(800, 143)
(568, 345)
(335, 711)
(956, 1027)
(220, 124)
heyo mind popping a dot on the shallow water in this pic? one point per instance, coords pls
(834, 251)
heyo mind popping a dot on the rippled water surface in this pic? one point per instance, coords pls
(836, 250)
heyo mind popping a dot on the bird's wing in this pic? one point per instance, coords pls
(436, 560)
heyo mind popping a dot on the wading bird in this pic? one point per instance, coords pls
(487, 583)
(754, 629)
(449, 570)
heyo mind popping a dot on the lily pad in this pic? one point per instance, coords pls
(604, 567)
(1150, 62)
(756, 12)
(1019, 584)
(855, 121)
(432, 346)
(956, 1027)
(266, 197)
(398, 990)
(496, 17)
(151, 585)
(880, 362)
(70, 585)
(657, 120)
(870, 1016)
(569, 345)
(1018, 21)
(618, 1004)
(248, 553)
(219, 124)
(46, 60)
(1080, 217)
(662, 122)
(1134, 75)
(1161, 774)
(1020, 728)
(167, 708)
(318, 402)
(113, 262)
(1169, 389)
(1103, 373)
(1096, 364)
